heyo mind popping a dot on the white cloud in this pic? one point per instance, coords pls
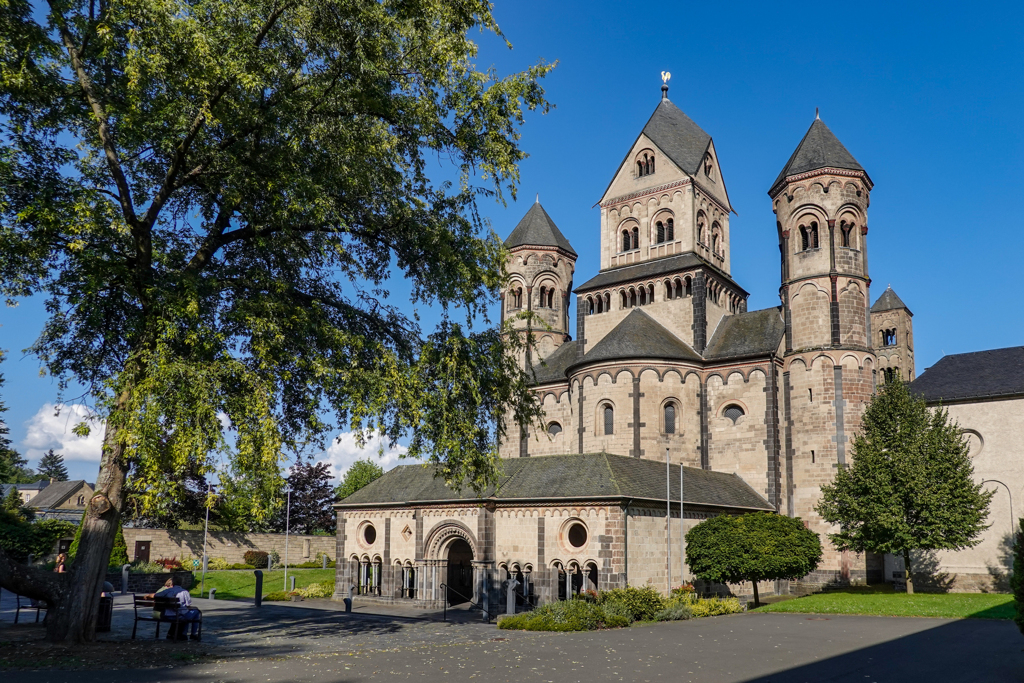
(344, 451)
(51, 427)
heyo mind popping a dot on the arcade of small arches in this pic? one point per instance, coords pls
(807, 230)
(663, 229)
(675, 288)
(545, 296)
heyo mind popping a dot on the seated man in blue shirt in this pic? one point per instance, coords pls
(186, 612)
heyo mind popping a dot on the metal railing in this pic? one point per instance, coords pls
(444, 612)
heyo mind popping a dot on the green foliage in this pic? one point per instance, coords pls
(1017, 579)
(256, 558)
(140, 567)
(51, 466)
(218, 563)
(119, 553)
(19, 538)
(565, 615)
(881, 600)
(279, 596)
(713, 607)
(911, 485)
(642, 604)
(758, 546)
(324, 589)
(674, 612)
(358, 475)
(311, 499)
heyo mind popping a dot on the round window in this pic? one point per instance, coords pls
(369, 534)
(577, 535)
(554, 429)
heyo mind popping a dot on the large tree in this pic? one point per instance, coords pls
(311, 499)
(51, 466)
(910, 486)
(758, 546)
(214, 196)
(358, 475)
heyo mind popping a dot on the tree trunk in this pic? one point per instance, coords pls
(73, 617)
(757, 601)
(906, 568)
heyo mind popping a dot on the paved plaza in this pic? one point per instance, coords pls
(316, 642)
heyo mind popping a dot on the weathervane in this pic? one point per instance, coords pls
(665, 75)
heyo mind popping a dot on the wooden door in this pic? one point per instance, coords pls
(142, 551)
(64, 545)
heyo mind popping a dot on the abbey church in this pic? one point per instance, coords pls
(666, 388)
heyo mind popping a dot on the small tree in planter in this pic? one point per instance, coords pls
(759, 546)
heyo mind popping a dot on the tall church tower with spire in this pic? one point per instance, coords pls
(820, 200)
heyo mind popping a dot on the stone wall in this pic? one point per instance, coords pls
(232, 547)
(150, 583)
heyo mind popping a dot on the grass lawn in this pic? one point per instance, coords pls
(242, 584)
(883, 601)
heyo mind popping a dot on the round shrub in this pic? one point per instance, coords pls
(256, 558)
(640, 603)
(675, 612)
(218, 563)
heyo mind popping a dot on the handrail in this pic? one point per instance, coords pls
(444, 611)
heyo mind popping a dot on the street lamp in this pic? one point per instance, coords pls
(1013, 529)
(287, 522)
(206, 532)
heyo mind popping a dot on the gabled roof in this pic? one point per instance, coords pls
(820, 148)
(639, 336)
(675, 134)
(756, 333)
(983, 374)
(552, 368)
(652, 268)
(536, 229)
(582, 476)
(889, 301)
(55, 494)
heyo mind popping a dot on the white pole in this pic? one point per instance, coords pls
(206, 532)
(668, 520)
(287, 523)
(682, 530)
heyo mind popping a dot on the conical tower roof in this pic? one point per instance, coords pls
(889, 301)
(820, 148)
(536, 229)
(676, 134)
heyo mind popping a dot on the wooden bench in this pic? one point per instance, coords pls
(154, 609)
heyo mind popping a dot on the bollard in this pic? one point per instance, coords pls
(259, 587)
(293, 583)
(31, 558)
(323, 561)
(213, 592)
(270, 563)
(124, 579)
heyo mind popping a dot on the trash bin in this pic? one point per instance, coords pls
(106, 614)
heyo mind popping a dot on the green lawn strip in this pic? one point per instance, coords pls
(233, 585)
(884, 602)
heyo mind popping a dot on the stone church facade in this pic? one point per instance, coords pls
(665, 367)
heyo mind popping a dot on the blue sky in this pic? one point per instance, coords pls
(927, 97)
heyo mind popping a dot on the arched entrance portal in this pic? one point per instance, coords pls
(460, 572)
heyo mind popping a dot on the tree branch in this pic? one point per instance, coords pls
(30, 582)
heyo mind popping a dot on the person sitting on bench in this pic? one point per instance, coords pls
(186, 613)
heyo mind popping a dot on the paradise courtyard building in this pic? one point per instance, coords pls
(668, 370)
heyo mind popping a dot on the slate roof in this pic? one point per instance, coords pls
(649, 269)
(982, 374)
(585, 476)
(537, 229)
(676, 134)
(888, 302)
(755, 333)
(820, 148)
(639, 336)
(552, 368)
(55, 494)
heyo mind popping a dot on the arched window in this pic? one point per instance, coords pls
(639, 168)
(701, 222)
(625, 240)
(608, 302)
(844, 234)
(590, 306)
(517, 297)
(809, 236)
(554, 429)
(643, 296)
(890, 374)
(670, 231)
(689, 287)
(661, 232)
(652, 164)
(609, 420)
(632, 297)
(551, 297)
(889, 337)
(543, 297)
(600, 303)
(81, 500)
(668, 291)
(650, 294)
(709, 166)
(733, 412)
(625, 301)
(636, 238)
(714, 244)
(670, 418)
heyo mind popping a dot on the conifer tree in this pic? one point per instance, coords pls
(51, 466)
(911, 485)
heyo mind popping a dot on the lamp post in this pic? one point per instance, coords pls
(287, 523)
(1013, 529)
(206, 533)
